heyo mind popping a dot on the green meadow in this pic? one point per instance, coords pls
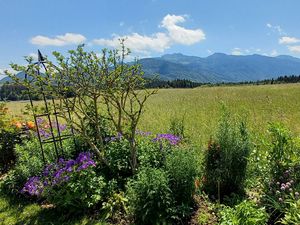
(201, 108)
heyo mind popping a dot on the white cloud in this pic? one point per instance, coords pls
(180, 34)
(276, 28)
(59, 40)
(236, 51)
(294, 49)
(121, 24)
(288, 40)
(157, 42)
(138, 43)
(274, 53)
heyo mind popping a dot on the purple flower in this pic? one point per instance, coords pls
(33, 186)
(172, 139)
(58, 173)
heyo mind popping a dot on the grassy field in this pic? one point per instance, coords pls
(200, 108)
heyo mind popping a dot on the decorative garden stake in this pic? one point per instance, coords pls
(50, 111)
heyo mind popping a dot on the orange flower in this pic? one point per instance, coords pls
(18, 125)
(30, 124)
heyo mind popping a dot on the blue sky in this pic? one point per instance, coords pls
(152, 27)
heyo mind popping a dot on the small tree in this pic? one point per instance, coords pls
(102, 87)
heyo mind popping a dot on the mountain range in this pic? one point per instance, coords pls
(218, 67)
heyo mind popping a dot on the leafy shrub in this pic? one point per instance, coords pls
(70, 184)
(117, 155)
(149, 196)
(9, 137)
(8, 140)
(114, 207)
(151, 153)
(245, 213)
(284, 182)
(182, 168)
(177, 127)
(29, 162)
(226, 158)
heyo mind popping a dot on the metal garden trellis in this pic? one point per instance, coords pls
(56, 138)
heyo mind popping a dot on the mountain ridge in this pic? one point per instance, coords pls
(218, 67)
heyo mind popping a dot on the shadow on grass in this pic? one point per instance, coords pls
(15, 210)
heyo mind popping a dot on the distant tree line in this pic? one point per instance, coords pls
(16, 92)
(279, 80)
(178, 83)
(12, 92)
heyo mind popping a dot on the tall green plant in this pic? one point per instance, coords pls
(226, 158)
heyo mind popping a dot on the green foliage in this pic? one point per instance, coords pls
(29, 162)
(8, 140)
(284, 181)
(177, 127)
(151, 154)
(9, 137)
(182, 167)
(245, 213)
(150, 197)
(117, 154)
(114, 206)
(83, 190)
(226, 159)
(292, 213)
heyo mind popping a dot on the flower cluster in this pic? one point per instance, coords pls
(284, 187)
(58, 173)
(29, 125)
(44, 127)
(171, 138)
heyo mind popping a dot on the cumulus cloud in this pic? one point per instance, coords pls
(59, 40)
(138, 43)
(294, 49)
(288, 40)
(180, 34)
(160, 41)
